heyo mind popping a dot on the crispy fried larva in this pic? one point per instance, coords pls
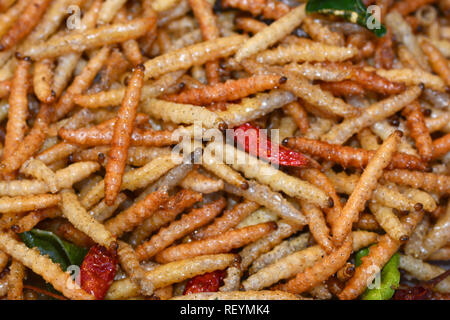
(43, 266)
(298, 261)
(330, 72)
(89, 39)
(181, 113)
(57, 152)
(441, 254)
(178, 229)
(415, 121)
(424, 271)
(321, 33)
(170, 273)
(430, 182)
(27, 20)
(4, 259)
(74, 212)
(240, 295)
(28, 203)
(383, 129)
(441, 146)
(254, 168)
(378, 256)
(413, 77)
(15, 280)
(364, 188)
(438, 62)
(10, 16)
(198, 182)
(376, 112)
(218, 244)
(414, 245)
(438, 236)
(269, 9)
(42, 79)
(271, 34)
(66, 178)
(282, 250)
(317, 226)
(419, 196)
(102, 211)
(130, 264)
(321, 270)
(109, 10)
(123, 129)
(134, 179)
(40, 171)
(229, 219)
(305, 50)
(348, 156)
(388, 221)
(29, 221)
(299, 115)
(196, 54)
(136, 214)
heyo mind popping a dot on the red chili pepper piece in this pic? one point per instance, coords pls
(98, 270)
(208, 282)
(256, 143)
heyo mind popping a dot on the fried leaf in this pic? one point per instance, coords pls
(59, 251)
(351, 10)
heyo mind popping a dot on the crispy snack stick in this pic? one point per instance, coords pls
(43, 266)
(28, 203)
(376, 112)
(180, 228)
(136, 214)
(298, 261)
(228, 220)
(229, 90)
(218, 244)
(196, 54)
(170, 273)
(348, 156)
(378, 256)
(18, 110)
(74, 212)
(170, 210)
(123, 129)
(89, 39)
(430, 182)
(28, 19)
(271, 34)
(364, 188)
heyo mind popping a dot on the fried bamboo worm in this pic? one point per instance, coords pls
(364, 188)
(40, 171)
(42, 79)
(43, 266)
(378, 256)
(438, 62)
(81, 82)
(18, 109)
(11, 15)
(74, 212)
(136, 214)
(412, 77)
(170, 210)
(170, 273)
(376, 112)
(218, 244)
(232, 280)
(239, 295)
(438, 236)
(298, 113)
(15, 280)
(415, 121)
(31, 143)
(109, 9)
(59, 151)
(89, 39)
(28, 203)
(271, 34)
(229, 219)
(29, 221)
(199, 182)
(269, 9)
(266, 174)
(321, 33)
(203, 12)
(178, 229)
(123, 129)
(102, 211)
(441, 146)
(196, 54)
(229, 90)
(27, 20)
(387, 219)
(430, 182)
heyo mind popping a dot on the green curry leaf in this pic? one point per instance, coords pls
(351, 10)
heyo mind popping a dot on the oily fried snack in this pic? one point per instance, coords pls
(387, 219)
(43, 266)
(74, 212)
(15, 280)
(412, 77)
(11, 15)
(321, 33)
(350, 157)
(223, 171)
(240, 295)
(298, 113)
(27, 20)
(172, 272)
(130, 47)
(270, 9)
(229, 219)
(438, 236)
(136, 214)
(376, 112)
(180, 228)
(42, 79)
(123, 129)
(430, 182)
(37, 169)
(343, 88)
(199, 182)
(28, 203)
(65, 179)
(229, 90)
(364, 188)
(218, 244)
(67, 231)
(415, 121)
(441, 146)
(437, 61)
(102, 211)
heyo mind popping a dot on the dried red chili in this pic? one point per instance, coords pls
(256, 143)
(208, 282)
(98, 270)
